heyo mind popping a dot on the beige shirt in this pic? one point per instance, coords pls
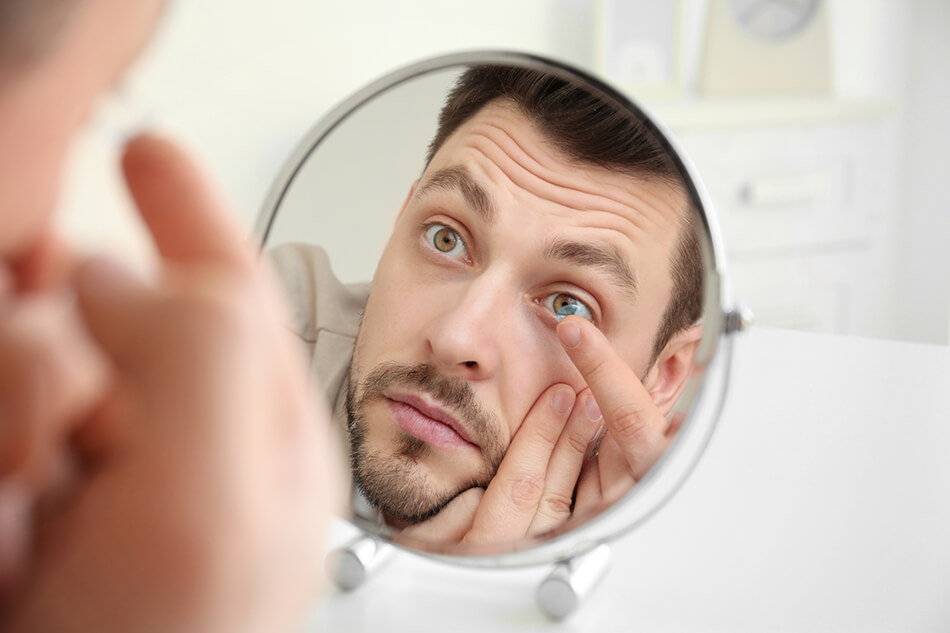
(326, 316)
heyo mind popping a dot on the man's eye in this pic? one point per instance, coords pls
(565, 305)
(445, 240)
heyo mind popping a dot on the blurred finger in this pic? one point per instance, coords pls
(15, 526)
(111, 300)
(186, 215)
(512, 497)
(7, 282)
(46, 265)
(51, 375)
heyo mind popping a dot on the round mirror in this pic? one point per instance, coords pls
(509, 282)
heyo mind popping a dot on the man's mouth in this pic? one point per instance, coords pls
(427, 422)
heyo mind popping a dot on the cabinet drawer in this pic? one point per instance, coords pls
(789, 188)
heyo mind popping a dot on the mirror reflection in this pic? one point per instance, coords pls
(527, 347)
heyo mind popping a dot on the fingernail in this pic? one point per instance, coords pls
(593, 411)
(569, 334)
(563, 400)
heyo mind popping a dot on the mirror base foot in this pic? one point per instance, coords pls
(571, 581)
(352, 564)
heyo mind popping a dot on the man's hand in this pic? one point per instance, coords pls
(204, 479)
(51, 376)
(534, 485)
(637, 433)
(548, 474)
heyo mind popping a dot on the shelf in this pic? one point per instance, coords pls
(745, 113)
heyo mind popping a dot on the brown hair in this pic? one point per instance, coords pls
(591, 130)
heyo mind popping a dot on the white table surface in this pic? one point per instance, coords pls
(822, 504)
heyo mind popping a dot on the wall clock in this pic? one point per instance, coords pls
(774, 18)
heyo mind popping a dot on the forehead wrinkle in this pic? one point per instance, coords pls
(457, 178)
(605, 257)
(553, 185)
(593, 217)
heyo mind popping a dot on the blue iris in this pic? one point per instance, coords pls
(565, 305)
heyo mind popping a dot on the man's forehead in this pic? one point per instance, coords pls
(500, 150)
(504, 135)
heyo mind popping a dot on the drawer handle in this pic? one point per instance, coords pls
(769, 191)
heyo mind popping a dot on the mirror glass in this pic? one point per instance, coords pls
(505, 283)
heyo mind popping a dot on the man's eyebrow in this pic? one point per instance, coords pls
(458, 179)
(603, 256)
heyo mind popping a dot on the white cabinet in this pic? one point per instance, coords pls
(805, 197)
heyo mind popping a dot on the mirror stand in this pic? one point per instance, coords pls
(559, 594)
(350, 565)
(571, 581)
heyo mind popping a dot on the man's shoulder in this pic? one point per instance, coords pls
(318, 300)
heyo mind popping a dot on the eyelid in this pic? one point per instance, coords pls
(454, 225)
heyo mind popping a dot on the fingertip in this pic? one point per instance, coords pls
(188, 217)
(592, 409)
(569, 332)
(143, 153)
(152, 167)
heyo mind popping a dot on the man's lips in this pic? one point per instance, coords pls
(426, 421)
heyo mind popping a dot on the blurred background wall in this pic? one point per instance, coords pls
(833, 203)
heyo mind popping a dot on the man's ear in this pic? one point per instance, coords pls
(670, 373)
(405, 203)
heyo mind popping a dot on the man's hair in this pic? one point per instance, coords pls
(29, 29)
(590, 130)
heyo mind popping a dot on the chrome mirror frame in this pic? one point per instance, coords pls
(722, 319)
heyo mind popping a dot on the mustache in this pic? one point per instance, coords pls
(453, 392)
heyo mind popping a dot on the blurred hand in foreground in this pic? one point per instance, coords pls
(194, 478)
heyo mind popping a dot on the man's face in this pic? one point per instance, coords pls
(43, 103)
(500, 236)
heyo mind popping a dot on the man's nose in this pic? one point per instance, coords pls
(464, 338)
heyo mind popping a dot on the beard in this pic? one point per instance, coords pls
(395, 482)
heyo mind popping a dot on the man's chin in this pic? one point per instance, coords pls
(404, 491)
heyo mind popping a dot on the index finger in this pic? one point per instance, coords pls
(186, 215)
(511, 500)
(631, 416)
